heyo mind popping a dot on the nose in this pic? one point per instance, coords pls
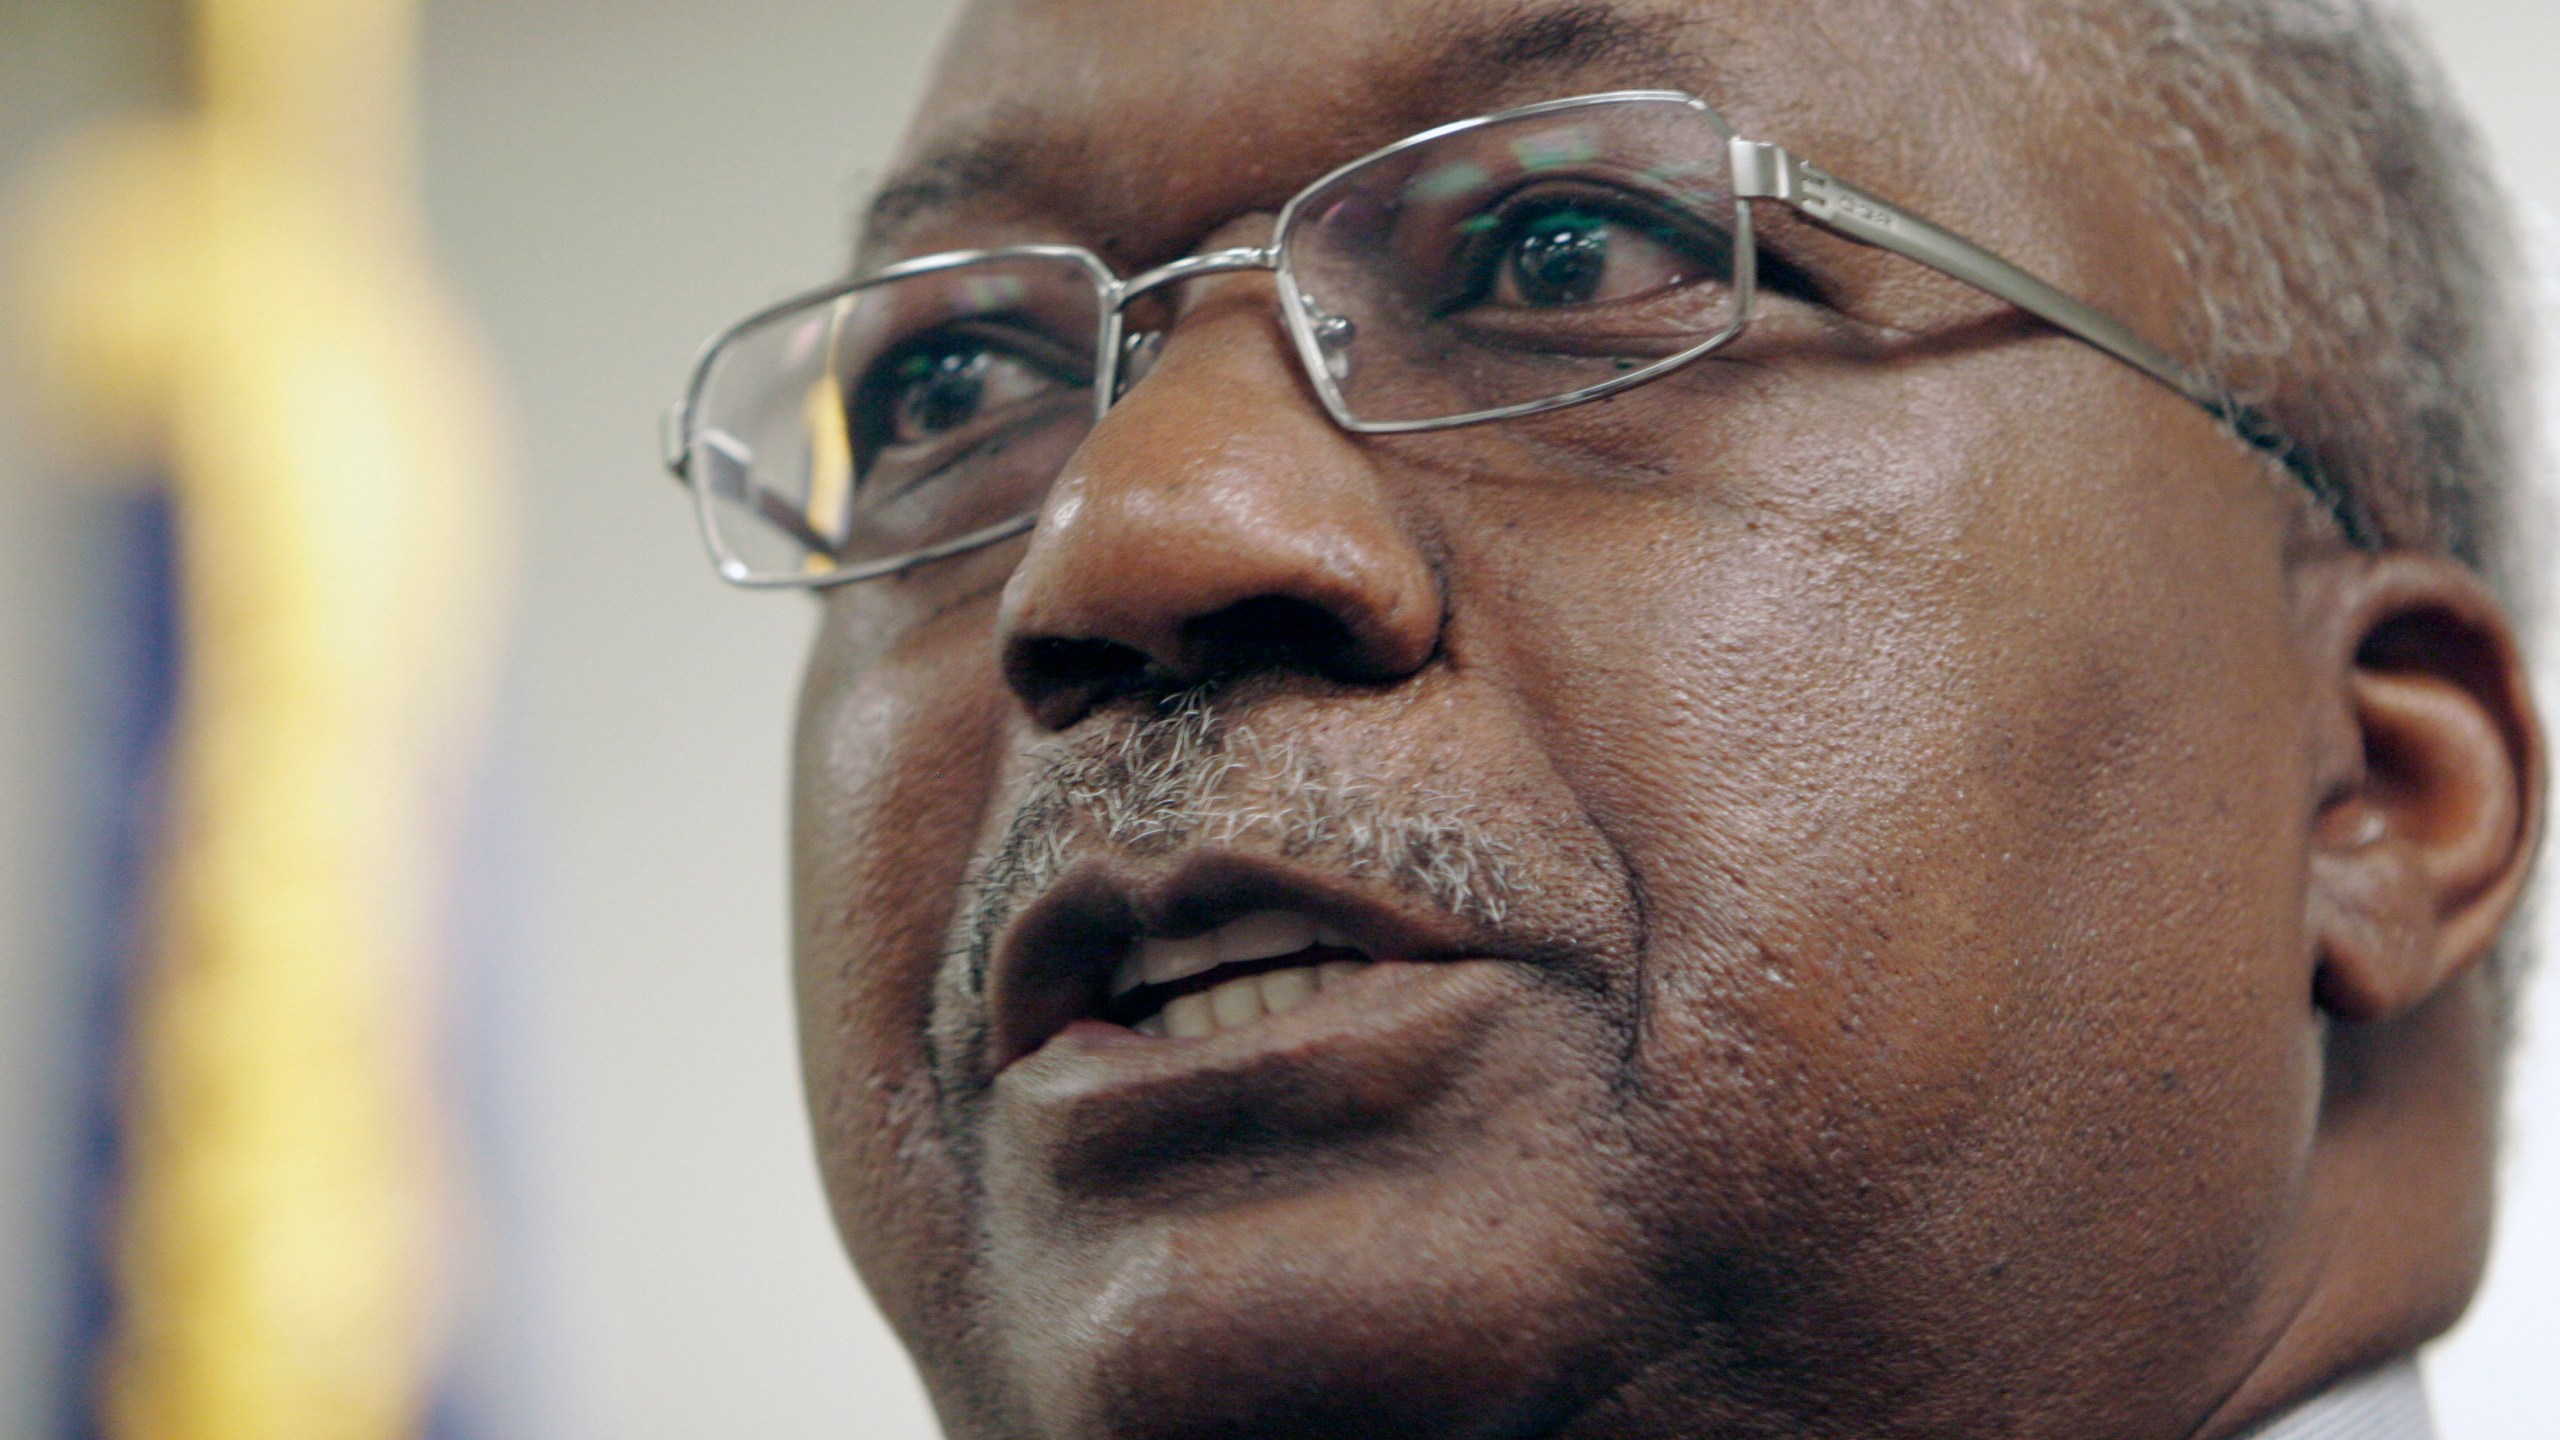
(1215, 524)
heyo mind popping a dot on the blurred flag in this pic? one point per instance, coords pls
(237, 302)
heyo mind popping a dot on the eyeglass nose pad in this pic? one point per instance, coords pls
(1334, 334)
(1138, 352)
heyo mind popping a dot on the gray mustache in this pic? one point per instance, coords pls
(1186, 775)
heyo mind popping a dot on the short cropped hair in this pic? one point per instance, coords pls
(2355, 271)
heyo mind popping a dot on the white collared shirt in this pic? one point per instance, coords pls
(2387, 1404)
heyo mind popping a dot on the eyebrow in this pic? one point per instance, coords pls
(1470, 61)
(959, 172)
(1529, 36)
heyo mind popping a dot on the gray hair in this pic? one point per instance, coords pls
(1186, 773)
(2354, 268)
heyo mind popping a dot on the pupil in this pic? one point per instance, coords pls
(948, 395)
(1561, 261)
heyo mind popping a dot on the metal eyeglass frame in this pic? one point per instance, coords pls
(1761, 171)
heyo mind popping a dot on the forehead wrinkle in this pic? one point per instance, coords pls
(1454, 59)
(1476, 57)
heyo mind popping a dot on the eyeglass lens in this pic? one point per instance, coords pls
(1518, 261)
(896, 418)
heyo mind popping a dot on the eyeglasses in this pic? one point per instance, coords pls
(1486, 270)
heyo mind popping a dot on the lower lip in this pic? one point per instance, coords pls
(1373, 1045)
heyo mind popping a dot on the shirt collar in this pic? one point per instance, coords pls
(2386, 1404)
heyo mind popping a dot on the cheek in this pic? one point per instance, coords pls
(890, 779)
(1970, 865)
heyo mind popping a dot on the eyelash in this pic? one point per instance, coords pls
(1495, 231)
(868, 406)
(1776, 274)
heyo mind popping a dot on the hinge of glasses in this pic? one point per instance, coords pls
(1764, 172)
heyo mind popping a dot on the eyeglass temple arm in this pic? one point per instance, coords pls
(1768, 172)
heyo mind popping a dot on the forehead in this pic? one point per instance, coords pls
(1139, 126)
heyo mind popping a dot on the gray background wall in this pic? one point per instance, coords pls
(608, 183)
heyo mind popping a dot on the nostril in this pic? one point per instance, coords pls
(1063, 679)
(1273, 632)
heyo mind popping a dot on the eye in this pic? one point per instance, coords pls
(937, 389)
(1552, 255)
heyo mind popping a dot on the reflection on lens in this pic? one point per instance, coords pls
(1518, 261)
(905, 415)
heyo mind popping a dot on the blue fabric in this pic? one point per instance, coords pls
(134, 649)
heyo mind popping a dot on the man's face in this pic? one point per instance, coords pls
(1824, 830)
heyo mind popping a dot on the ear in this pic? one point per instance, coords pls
(2432, 800)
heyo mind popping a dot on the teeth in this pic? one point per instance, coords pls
(1242, 1001)
(1165, 961)
(1237, 1003)
(1189, 1018)
(1286, 990)
(1263, 935)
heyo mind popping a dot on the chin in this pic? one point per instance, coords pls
(1434, 1301)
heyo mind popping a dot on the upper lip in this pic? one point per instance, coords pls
(1052, 963)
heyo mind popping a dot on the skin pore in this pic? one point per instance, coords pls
(1993, 891)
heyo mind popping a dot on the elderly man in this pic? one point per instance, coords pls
(1662, 718)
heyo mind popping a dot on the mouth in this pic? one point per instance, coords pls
(1220, 944)
(1265, 963)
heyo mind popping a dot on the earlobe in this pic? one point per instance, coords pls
(2422, 850)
